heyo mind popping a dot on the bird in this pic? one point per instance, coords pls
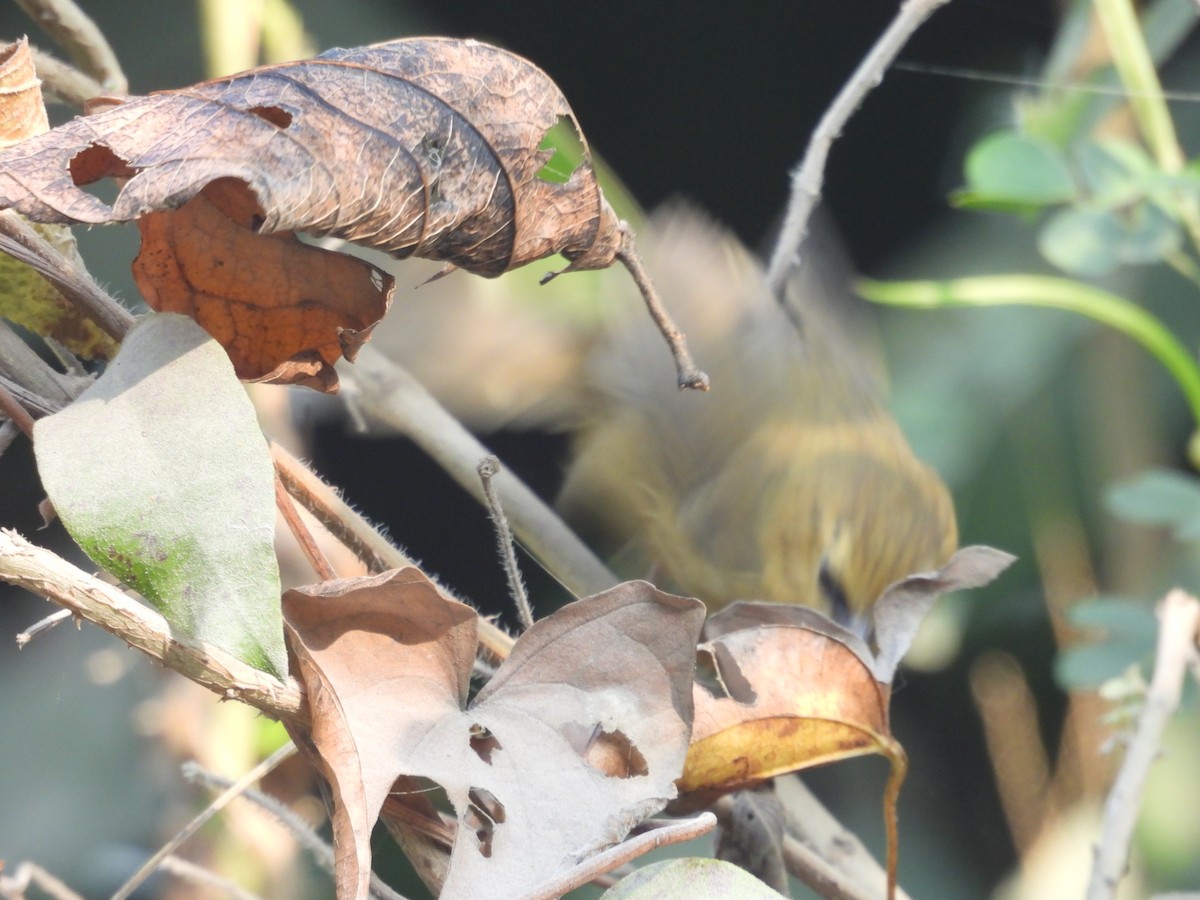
(790, 482)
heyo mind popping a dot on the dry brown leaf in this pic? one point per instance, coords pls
(578, 737)
(350, 637)
(784, 696)
(428, 147)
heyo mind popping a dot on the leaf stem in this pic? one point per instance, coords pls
(809, 176)
(1057, 293)
(489, 468)
(685, 367)
(300, 531)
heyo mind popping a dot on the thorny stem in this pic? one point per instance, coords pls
(488, 468)
(325, 504)
(308, 544)
(689, 376)
(72, 30)
(1178, 621)
(809, 177)
(207, 813)
(356, 533)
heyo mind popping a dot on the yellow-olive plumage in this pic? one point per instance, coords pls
(789, 482)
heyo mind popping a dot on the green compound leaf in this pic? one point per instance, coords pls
(1012, 171)
(161, 474)
(1160, 497)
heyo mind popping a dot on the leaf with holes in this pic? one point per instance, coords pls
(577, 738)
(447, 149)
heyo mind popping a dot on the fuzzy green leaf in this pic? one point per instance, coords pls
(161, 474)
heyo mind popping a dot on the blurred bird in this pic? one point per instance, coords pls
(789, 482)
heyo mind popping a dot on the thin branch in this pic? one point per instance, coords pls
(26, 874)
(388, 393)
(63, 81)
(301, 831)
(199, 876)
(48, 575)
(489, 468)
(20, 241)
(72, 30)
(819, 850)
(55, 618)
(1178, 621)
(204, 815)
(688, 375)
(630, 849)
(15, 412)
(809, 177)
(326, 505)
(308, 544)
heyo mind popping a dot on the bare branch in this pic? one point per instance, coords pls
(63, 81)
(207, 813)
(809, 177)
(72, 30)
(50, 576)
(1178, 620)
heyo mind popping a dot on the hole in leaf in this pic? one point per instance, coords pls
(280, 118)
(95, 162)
(719, 674)
(484, 743)
(565, 147)
(483, 815)
(609, 752)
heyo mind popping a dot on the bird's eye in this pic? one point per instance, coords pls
(835, 596)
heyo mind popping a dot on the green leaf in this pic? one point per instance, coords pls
(1010, 169)
(1093, 242)
(1124, 632)
(1114, 172)
(685, 879)
(1160, 497)
(161, 474)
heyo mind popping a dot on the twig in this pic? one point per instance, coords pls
(375, 551)
(308, 544)
(207, 813)
(64, 81)
(19, 240)
(345, 524)
(689, 376)
(808, 178)
(15, 412)
(819, 850)
(388, 393)
(300, 830)
(202, 877)
(595, 866)
(1178, 620)
(50, 576)
(42, 625)
(489, 468)
(72, 30)
(27, 873)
